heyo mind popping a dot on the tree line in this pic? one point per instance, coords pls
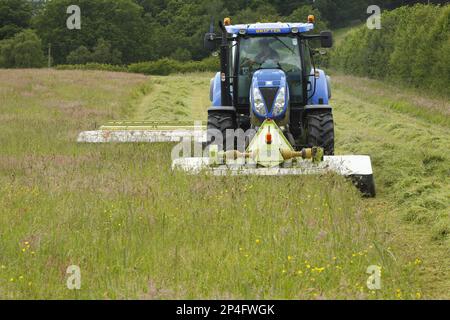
(128, 31)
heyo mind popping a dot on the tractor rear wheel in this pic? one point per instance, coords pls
(220, 122)
(320, 131)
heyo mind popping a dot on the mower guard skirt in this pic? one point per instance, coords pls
(357, 168)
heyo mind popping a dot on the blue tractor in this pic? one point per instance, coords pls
(268, 72)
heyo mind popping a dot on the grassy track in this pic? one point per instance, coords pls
(138, 230)
(181, 97)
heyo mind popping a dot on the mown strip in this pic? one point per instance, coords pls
(411, 166)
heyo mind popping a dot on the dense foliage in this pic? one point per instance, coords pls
(15, 15)
(161, 67)
(413, 47)
(24, 50)
(130, 31)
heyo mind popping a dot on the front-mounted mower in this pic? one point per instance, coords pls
(269, 87)
(270, 112)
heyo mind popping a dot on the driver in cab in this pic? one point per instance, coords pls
(266, 53)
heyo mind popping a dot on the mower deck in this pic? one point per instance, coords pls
(357, 168)
(144, 132)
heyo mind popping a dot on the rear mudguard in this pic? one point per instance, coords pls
(312, 107)
(222, 109)
(216, 91)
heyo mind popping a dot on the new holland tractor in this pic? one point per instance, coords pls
(268, 73)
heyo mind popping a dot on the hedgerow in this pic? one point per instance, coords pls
(162, 67)
(412, 48)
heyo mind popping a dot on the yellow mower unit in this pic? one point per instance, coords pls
(270, 154)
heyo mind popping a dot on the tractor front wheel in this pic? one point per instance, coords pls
(219, 125)
(320, 131)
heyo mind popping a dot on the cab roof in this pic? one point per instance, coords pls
(269, 28)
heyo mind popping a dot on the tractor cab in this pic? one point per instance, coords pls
(268, 72)
(269, 68)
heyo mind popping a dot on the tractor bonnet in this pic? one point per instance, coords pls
(271, 86)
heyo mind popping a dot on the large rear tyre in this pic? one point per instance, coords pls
(320, 131)
(220, 130)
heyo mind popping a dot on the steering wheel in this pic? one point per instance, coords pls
(270, 63)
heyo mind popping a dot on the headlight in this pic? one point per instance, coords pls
(258, 102)
(280, 101)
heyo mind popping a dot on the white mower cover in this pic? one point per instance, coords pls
(342, 165)
(140, 136)
(356, 168)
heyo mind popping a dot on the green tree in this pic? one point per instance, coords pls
(24, 50)
(81, 55)
(264, 13)
(103, 53)
(15, 16)
(301, 15)
(181, 54)
(119, 22)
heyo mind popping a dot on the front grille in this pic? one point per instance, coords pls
(269, 95)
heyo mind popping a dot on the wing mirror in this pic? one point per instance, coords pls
(326, 39)
(209, 42)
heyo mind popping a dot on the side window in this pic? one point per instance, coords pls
(232, 58)
(307, 58)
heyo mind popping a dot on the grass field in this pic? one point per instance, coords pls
(139, 230)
